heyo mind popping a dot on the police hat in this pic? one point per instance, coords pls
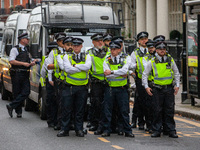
(114, 44)
(60, 36)
(52, 45)
(97, 36)
(23, 36)
(159, 38)
(142, 35)
(118, 39)
(77, 41)
(160, 45)
(108, 37)
(150, 43)
(68, 40)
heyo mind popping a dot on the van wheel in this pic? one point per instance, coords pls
(42, 104)
(29, 105)
(4, 92)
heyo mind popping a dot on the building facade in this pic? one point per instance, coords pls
(7, 6)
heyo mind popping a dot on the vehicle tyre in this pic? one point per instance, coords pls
(29, 105)
(4, 92)
(42, 104)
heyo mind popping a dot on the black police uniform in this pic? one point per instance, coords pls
(20, 80)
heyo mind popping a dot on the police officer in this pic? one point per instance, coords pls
(116, 69)
(140, 98)
(164, 72)
(119, 39)
(68, 46)
(20, 68)
(52, 64)
(107, 39)
(98, 54)
(148, 103)
(50, 99)
(75, 92)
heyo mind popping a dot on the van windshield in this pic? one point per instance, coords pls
(85, 34)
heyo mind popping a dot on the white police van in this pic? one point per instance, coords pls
(15, 25)
(75, 18)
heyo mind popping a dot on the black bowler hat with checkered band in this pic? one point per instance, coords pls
(142, 35)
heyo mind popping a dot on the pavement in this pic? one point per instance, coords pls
(186, 110)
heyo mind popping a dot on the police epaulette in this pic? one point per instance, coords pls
(137, 48)
(83, 54)
(156, 60)
(87, 52)
(109, 59)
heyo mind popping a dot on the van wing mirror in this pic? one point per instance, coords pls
(7, 49)
(34, 51)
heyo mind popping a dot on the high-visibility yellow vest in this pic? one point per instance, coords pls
(43, 80)
(148, 57)
(62, 73)
(139, 57)
(162, 72)
(56, 67)
(118, 81)
(97, 65)
(79, 78)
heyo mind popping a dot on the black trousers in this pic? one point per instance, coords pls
(58, 87)
(139, 108)
(50, 104)
(97, 98)
(20, 88)
(163, 108)
(73, 99)
(118, 95)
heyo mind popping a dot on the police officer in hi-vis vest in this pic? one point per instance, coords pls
(74, 94)
(107, 37)
(97, 79)
(140, 97)
(20, 61)
(46, 78)
(116, 68)
(148, 103)
(68, 46)
(165, 73)
(52, 64)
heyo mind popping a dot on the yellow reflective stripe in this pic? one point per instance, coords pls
(155, 69)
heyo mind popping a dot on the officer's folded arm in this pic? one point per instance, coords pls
(68, 66)
(86, 66)
(60, 62)
(115, 73)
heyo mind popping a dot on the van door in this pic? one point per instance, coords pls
(35, 51)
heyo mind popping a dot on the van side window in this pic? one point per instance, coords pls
(35, 34)
(9, 35)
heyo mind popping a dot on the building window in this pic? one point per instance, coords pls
(2, 3)
(175, 15)
(21, 2)
(11, 3)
